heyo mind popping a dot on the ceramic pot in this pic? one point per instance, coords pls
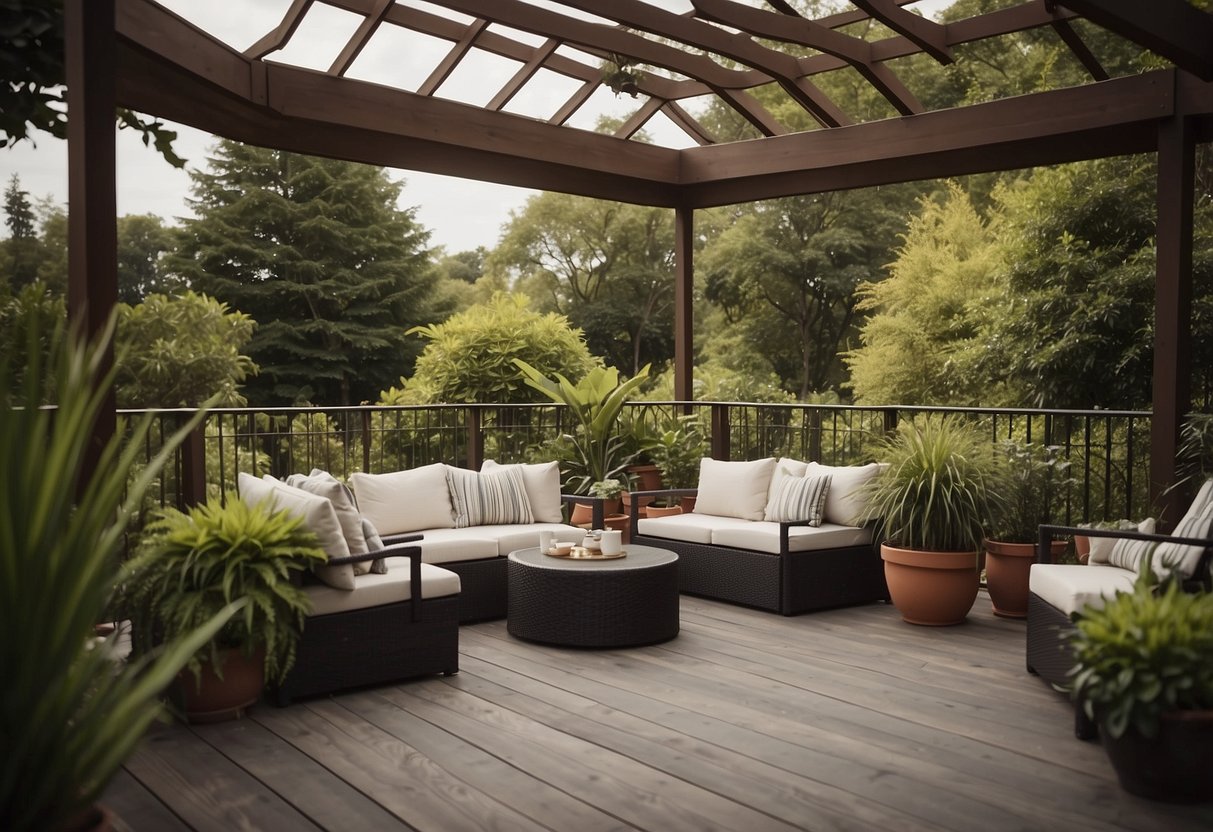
(662, 511)
(620, 522)
(212, 699)
(688, 504)
(647, 477)
(1082, 547)
(582, 515)
(935, 589)
(1007, 569)
(1176, 766)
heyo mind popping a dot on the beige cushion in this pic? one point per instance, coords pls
(317, 513)
(1197, 523)
(1072, 586)
(734, 489)
(542, 480)
(1101, 547)
(388, 588)
(844, 505)
(692, 528)
(764, 537)
(785, 467)
(405, 501)
(373, 544)
(798, 498)
(453, 545)
(324, 484)
(483, 499)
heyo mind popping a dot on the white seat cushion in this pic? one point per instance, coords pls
(1071, 587)
(734, 489)
(317, 514)
(844, 504)
(542, 482)
(477, 542)
(762, 536)
(405, 501)
(373, 590)
(693, 528)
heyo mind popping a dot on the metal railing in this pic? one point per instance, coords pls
(1107, 450)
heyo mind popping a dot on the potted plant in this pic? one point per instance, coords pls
(931, 505)
(610, 491)
(1144, 673)
(1031, 475)
(595, 450)
(193, 563)
(72, 709)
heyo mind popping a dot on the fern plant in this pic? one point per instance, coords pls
(940, 489)
(193, 563)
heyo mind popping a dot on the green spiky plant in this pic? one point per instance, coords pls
(596, 450)
(193, 563)
(71, 710)
(940, 489)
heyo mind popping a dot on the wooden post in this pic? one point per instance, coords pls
(721, 440)
(684, 286)
(92, 225)
(1172, 311)
(475, 439)
(193, 466)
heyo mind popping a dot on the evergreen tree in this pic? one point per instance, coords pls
(22, 247)
(316, 251)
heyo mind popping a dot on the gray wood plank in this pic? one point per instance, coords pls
(138, 809)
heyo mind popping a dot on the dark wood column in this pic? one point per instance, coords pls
(92, 263)
(684, 286)
(1172, 310)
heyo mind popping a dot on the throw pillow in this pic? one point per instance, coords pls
(488, 499)
(734, 489)
(1197, 523)
(324, 484)
(799, 498)
(845, 504)
(785, 467)
(1101, 547)
(542, 481)
(318, 516)
(405, 501)
(374, 543)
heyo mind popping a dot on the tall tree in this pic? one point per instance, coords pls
(319, 254)
(22, 246)
(143, 241)
(606, 266)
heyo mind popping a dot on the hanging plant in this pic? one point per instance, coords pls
(621, 75)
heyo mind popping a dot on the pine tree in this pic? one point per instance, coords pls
(22, 247)
(316, 251)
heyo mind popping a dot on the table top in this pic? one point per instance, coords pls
(639, 557)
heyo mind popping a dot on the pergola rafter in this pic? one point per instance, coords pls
(166, 67)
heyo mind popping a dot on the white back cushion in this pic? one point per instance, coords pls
(405, 501)
(1198, 523)
(488, 499)
(734, 489)
(843, 504)
(317, 513)
(542, 481)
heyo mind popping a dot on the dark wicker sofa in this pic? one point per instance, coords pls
(787, 582)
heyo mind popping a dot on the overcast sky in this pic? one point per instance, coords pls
(460, 214)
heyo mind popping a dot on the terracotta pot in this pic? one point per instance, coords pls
(1082, 547)
(648, 477)
(663, 511)
(1007, 568)
(688, 504)
(935, 589)
(211, 699)
(582, 515)
(621, 522)
(1176, 766)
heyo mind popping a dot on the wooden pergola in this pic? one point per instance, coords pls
(135, 53)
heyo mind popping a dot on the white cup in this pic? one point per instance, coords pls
(612, 542)
(546, 541)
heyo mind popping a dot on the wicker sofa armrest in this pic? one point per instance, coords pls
(407, 537)
(396, 550)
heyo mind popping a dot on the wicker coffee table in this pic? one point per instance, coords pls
(625, 602)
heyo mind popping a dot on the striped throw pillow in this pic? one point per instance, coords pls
(799, 498)
(488, 499)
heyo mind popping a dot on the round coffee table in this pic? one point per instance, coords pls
(624, 602)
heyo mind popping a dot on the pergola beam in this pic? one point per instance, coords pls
(928, 35)
(1173, 29)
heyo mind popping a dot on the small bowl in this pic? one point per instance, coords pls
(562, 548)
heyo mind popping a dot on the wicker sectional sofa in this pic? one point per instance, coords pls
(729, 550)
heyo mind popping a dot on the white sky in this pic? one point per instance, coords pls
(460, 214)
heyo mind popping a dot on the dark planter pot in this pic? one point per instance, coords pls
(212, 699)
(1176, 766)
(1007, 569)
(935, 589)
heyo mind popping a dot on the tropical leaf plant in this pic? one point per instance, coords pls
(71, 710)
(193, 563)
(940, 489)
(596, 450)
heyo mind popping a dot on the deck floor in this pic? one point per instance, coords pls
(847, 719)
